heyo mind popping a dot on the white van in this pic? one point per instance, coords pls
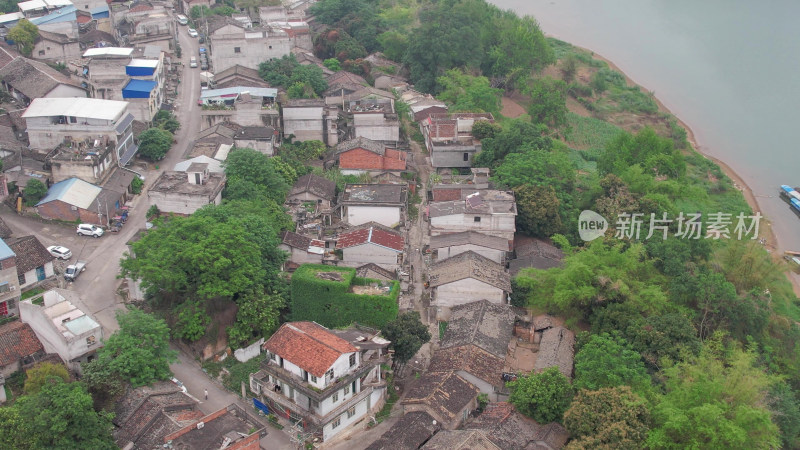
(183, 20)
(193, 62)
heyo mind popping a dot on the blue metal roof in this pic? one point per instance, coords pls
(5, 251)
(138, 89)
(57, 191)
(65, 14)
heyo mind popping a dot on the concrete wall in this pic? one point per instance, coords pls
(254, 47)
(448, 252)
(479, 383)
(368, 253)
(384, 215)
(247, 353)
(466, 291)
(180, 203)
(453, 157)
(502, 225)
(86, 170)
(305, 123)
(309, 197)
(259, 145)
(66, 91)
(300, 256)
(376, 127)
(43, 134)
(361, 410)
(55, 52)
(31, 278)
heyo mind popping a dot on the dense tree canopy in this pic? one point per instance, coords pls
(548, 101)
(537, 210)
(34, 191)
(716, 400)
(469, 93)
(653, 153)
(407, 334)
(166, 121)
(154, 143)
(59, 415)
(24, 34)
(250, 166)
(607, 418)
(604, 361)
(287, 72)
(42, 373)
(139, 351)
(543, 396)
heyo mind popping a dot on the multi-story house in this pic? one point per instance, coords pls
(117, 73)
(85, 127)
(486, 211)
(449, 140)
(9, 281)
(321, 379)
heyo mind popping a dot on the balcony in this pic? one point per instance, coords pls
(309, 415)
(271, 368)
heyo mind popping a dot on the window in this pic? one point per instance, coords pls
(477, 219)
(329, 374)
(41, 52)
(73, 119)
(336, 422)
(273, 356)
(314, 404)
(48, 48)
(346, 390)
(466, 156)
(313, 379)
(90, 340)
(21, 279)
(237, 49)
(270, 47)
(4, 287)
(351, 412)
(352, 360)
(335, 397)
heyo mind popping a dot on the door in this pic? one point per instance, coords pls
(40, 273)
(3, 309)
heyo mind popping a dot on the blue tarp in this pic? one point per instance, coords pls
(138, 89)
(100, 12)
(139, 71)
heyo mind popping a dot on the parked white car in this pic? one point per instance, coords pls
(59, 252)
(192, 62)
(87, 229)
(192, 32)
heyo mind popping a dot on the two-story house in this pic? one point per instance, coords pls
(310, 119)
(382, 203)
(232, 43)
(63, 326)
(186, 192)
(83, 125)
(363, 155)
(486, 211)
(449, 140)
(321, 379)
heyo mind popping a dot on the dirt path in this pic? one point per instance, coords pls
(511, 108)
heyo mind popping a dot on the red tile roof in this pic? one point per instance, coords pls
(372, 235)
(308, 345)
(17, 340)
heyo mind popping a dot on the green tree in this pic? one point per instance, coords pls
(105, 385)
(407, 334)
(468, 93)
(537, 210)
(332, 64)
(287, 72)
(516, 136)
(520, 44)
(607, 418)
(34, 191)
(166, 121)
(24, 34)
(655, 154)
(249, 165)
(17, 433)
(154, 143)
(257, 317)
(483, 129)
(786, 413)
(192, 320)
(548, 102)
(394, 44)
(543, 396)
(61, 415)
(42, 373)
(716, 400)
(139, 351)
(604, 361)
(538, 168)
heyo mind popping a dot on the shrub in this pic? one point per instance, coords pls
(34, 191)
(330, 302)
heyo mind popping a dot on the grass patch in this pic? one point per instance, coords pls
(239, 372)
(588, 133)
(442, 329)
(33, 292)
(384, 413)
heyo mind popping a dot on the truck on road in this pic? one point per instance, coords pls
(74, 270)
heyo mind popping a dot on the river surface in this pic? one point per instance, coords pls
(730, 69)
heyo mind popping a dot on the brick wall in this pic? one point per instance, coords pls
(59, 210)
(358, 158)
